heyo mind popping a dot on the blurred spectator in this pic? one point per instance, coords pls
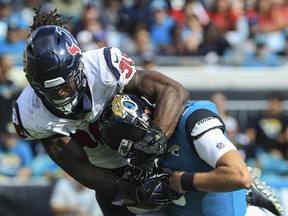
(273, 166)
(223, 15)
(137, 12)
(213, 44)
(92, 37)
(8, 90)
(261, 57)
(89, 31)
(177, 11)
(192, 34)
(70, 198)
(69, 8)
(178, 45)
(15, 154)
(161, 25)
(221, 101)
(185, 37)
(142, 40)
(8, 15)
(266, 130)
(239, 36)
(194, 7)
(229, 16)
(117, 26)
(14, 43)
(267, 25)
(282, 7)
(148, 61)
(26, 9)
(43, 166)
(239, 139)
(114, 18)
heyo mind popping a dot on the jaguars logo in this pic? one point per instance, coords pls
(174, 150)
(122, 104)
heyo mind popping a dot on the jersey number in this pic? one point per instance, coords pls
(126, 65)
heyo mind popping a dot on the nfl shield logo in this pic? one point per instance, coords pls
(220, 145)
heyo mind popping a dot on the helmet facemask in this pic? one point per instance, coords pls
(63, 95)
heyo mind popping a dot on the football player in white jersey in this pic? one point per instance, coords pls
(67, 92)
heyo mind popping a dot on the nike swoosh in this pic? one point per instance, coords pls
(117, 60)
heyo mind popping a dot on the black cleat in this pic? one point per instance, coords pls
(261, 195)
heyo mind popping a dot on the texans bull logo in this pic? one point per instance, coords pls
(73, 49)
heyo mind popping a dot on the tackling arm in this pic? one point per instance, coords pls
(72, 158)
(170, 97)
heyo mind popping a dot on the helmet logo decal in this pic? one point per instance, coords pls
(174, 150)
(122, 105)
(73, 49)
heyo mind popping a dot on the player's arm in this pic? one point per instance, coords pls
(72, 158)
(170, 97)
(230, 171)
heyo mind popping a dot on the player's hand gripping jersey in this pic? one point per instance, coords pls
(107, 71)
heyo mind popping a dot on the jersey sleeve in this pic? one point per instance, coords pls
(16, 119)
(212, 145)
(29, 119)
(205, 131)
(120, 66)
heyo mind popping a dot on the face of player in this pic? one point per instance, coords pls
(64, 98)
(62, 92)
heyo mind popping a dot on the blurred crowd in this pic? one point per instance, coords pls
(242, 32)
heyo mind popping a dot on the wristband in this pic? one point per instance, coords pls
(187, 182)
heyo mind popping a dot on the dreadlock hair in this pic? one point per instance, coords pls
(48, 18)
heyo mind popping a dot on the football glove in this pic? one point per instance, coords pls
(142, 160)
(136, 174)
(154, 141)
(161, 192)
(154, 191)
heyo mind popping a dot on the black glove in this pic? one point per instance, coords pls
(142, 161)
(155, 190)
(154, 141)
(136, 174)
(162, 193)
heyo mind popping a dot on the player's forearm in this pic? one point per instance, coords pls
(170, 97)
(96, 178)
(170, 106)
(221, 179)
(72, 158)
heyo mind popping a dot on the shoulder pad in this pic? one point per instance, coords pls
(205, 124)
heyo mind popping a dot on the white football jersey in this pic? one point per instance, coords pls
(107, 71)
